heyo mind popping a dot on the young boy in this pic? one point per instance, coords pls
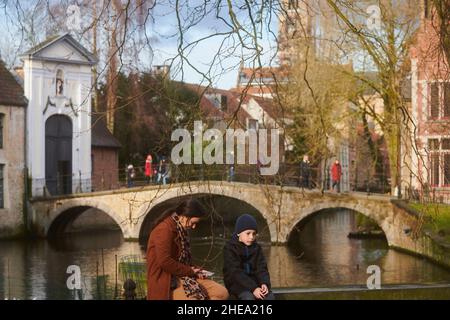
(245, 269)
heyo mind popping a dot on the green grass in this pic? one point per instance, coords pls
(438, 217)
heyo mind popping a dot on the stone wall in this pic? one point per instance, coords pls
(426, 244)
(13, 159)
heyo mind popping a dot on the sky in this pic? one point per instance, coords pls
(217, 56)
(224, 73)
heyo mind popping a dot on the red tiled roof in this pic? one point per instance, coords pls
(270, 107)
(233, 112)
(11, 93)
(234, 100)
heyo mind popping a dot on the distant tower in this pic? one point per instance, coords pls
(295, 25)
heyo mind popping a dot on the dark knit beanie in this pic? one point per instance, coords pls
(245, 222)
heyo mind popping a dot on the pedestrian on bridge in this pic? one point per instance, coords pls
(336, 174)
(170, 272)
(305, 173)
(148, 168)
(163, 172)
(130, 176)
(231, 173)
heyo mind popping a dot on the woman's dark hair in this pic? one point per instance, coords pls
(191, 208)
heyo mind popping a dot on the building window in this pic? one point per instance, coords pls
(446, 100)
(2, 119)
(439, 100)
(252, 124)
(2, 194)
(433, 144)
(445, 144)
(434, 101)
(433, 147)
(223, 103)
(434, 170)
(439, 155)
(242, 77)
(447, 169)
(446, 161)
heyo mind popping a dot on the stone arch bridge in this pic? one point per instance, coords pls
(282, 207)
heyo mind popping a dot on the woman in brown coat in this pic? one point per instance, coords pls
(170, 274)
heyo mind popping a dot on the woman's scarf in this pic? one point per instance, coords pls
(190, 285)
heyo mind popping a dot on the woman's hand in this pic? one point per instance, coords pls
(258, 294)
(264, 289)
(198, 273)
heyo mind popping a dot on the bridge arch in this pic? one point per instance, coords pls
(65, 214)
(281, 207)
(161, 205)
(307, 212)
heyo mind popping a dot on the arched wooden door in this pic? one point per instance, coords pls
(58, 154)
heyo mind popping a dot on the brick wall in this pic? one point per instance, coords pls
(12, 159)
(430, 108)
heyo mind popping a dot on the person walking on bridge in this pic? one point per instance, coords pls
(131, 173)
(336, 174)
(305, 173)
(148, 168)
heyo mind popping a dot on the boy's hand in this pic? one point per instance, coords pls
(258, 294)
(264, 289)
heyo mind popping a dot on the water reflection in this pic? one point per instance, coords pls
(37, 269)
(329, 257)
(320, 254)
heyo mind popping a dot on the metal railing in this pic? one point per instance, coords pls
(427, 194)
(288, 175)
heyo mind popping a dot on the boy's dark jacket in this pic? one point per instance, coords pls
(244, 267)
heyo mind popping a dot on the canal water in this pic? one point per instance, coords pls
(319, 254)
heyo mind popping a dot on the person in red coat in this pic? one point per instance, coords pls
(170, 273)
(148, 169)
(336, 174)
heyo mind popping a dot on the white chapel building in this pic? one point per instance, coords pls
(58, 86)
